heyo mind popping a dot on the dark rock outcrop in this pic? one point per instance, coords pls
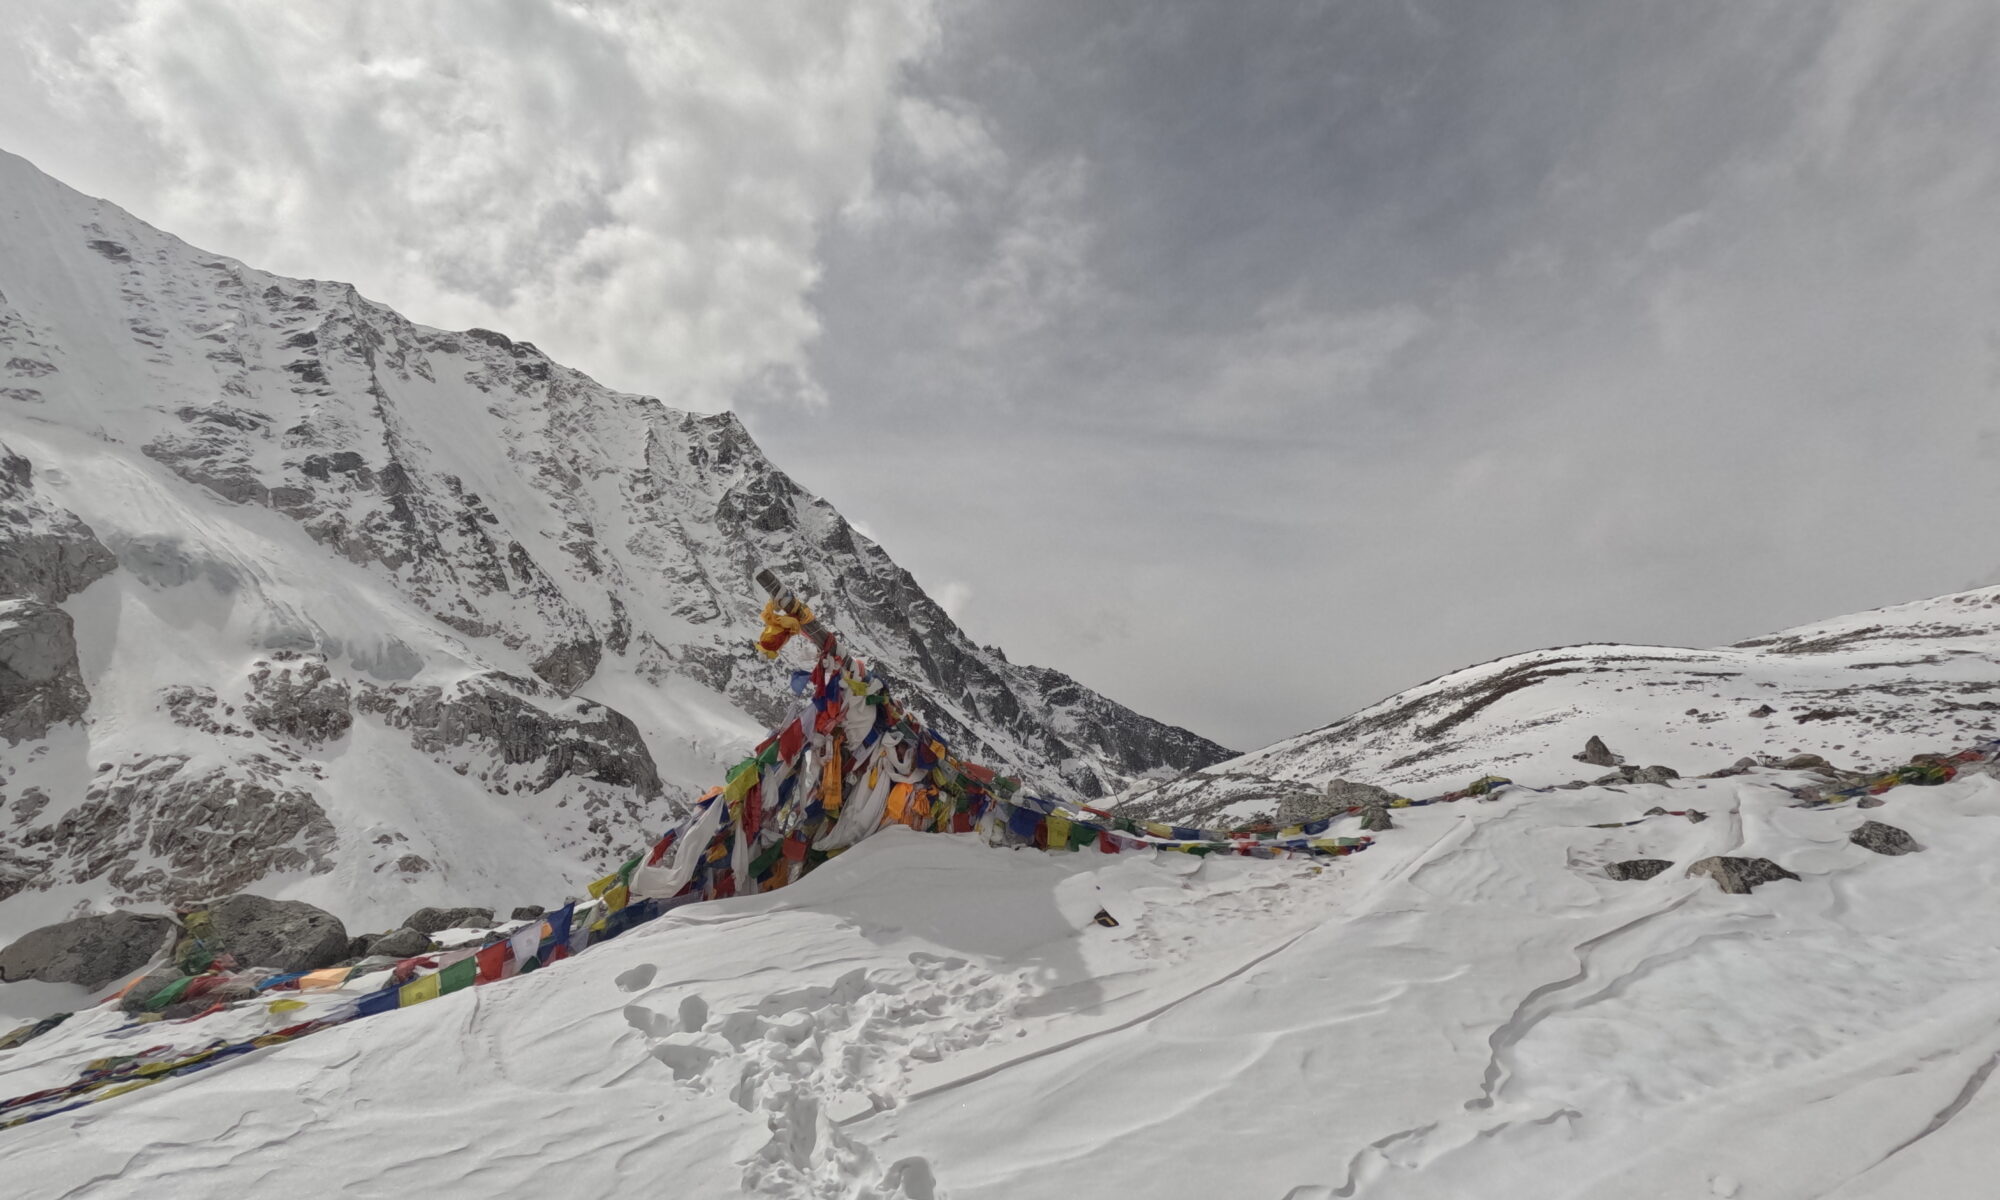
(45, 551)
(513, 718)
(527, 912)
(297, 696)
(166, 828)
(1883, 839)
(87, 951)
(398, 943)
(1739, 875)
(290, 935)
(1597, 754)
(1637, 868)
(431, 920)
(41, 683)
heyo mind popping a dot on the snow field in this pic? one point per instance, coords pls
(1473, 1008)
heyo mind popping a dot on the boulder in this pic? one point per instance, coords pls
(528, 912)
(1654, 774)
(290, 935)
(1883, 839)
(149, 985)
(1637, 868)
(1597, 754)
(88, 951)
(399, 943)
(1375, 818)
(41, 683)
(1762, 711)
(430, 920)
(1738, 875)
(1803, 762)
(1340, 794)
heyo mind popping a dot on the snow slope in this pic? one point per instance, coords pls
(378, 615)
(1472, 1008)
(1864, 690)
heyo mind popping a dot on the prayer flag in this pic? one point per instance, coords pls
(492, 961)
(458, 975)
(417, 991)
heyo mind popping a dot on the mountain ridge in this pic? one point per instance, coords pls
(335, 530)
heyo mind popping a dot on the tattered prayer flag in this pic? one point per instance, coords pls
(378, 1002)
(558, 924)
(458, 976)
(525, 943)
(1058, 831)
(1158, 830)
(1080, 835)
(791, 741)
(284, 1006)
(603, 885)
(332, 977)
(617, 898)
(1022, 822)
(1107, 843)
(492, 961)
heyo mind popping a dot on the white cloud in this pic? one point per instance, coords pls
(636, 186)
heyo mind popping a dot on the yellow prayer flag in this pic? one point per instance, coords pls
(617, 898)
(285, 1006)
(417, 991)
(603, 885)
(1058, 831)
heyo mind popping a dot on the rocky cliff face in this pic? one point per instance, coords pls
(365, 607)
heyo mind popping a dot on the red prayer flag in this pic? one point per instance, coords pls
(1105, 842)
(791, 740)
(492, 960)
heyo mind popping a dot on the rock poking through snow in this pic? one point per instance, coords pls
(1883, 839)
(1738, 876)
(399, 943)
(41, 685)
(1597, 754)
(88, 951)
(1637, 868)
(430, 920)
(290, 935)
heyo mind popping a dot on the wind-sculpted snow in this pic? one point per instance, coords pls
(1477, 1007)
(1862, 691)
(491, 619)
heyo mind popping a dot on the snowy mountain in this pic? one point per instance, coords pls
(1864, 690)
(300, 594)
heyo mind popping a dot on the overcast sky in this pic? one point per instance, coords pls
(1249, 361)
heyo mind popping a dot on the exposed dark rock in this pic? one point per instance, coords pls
(1597, 754)
(41, 683)
(1375, 818)
(163, 829)
(1739, 875)
(290, 935)
(1637, 868)
(430, 920)
(1883, 839)
(1802, 762)
(398, 943)
(1654, 774)
(507, 715)
(1870, 802)
(297, 696)
(1763, 710)
(87, 951)
(527, 912)
(49, 554)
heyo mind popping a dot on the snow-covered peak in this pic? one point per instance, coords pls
(471, 621)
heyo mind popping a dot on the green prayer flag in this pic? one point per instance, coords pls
(458, 975)
(170, 993)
